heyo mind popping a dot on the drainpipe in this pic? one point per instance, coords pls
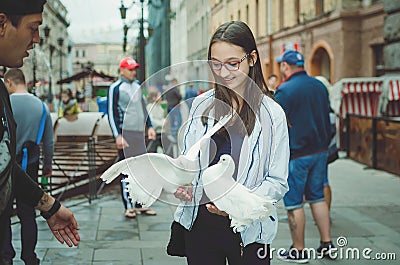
(269, 31)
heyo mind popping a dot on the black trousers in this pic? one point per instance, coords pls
(29, 230)
(4, 225)
(212, 241)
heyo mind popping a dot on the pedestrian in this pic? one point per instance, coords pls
(272, 82)
(19, 24)
(190, 94)
(306, 103)
(81, 98)
(333, 152)
(128, 118)
(173, 98)
(69, 107)
(256, 138)
(157, 116)
(33, 127)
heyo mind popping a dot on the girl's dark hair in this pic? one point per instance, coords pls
(238, 33)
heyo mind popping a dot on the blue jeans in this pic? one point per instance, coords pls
(306, 178)
(175, 119)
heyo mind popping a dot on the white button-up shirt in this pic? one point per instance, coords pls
(263, 163)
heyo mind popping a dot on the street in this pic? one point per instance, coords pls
(365, 214)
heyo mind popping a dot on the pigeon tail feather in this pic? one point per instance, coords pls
(144, 196)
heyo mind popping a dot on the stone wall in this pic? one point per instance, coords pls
(392, 37)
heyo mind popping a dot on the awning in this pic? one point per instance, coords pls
(87, 73)
(393, 98)
(360, 96)
(362, 87)
(394, 90)
(366, 104)
(368, 96)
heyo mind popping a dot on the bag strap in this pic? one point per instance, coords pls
(41, 127)
(24, 163)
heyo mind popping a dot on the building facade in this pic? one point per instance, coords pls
(339, 38)
(179, 31)
(104, 57)
(190, 34)
(158, 45)
(48, 61)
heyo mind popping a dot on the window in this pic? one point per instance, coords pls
(281, 14)
(77, 53)
(379, 64)
(83, 53)
(297, 10)
(319, 7)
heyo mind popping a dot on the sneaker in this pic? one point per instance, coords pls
(327, 250)
(35, 261)
(294, 255)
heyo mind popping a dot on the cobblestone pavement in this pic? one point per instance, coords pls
(365, 222)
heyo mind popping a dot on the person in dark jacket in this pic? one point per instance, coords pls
(28, 113)
(306, 104)
(174, 97)
(19, 31)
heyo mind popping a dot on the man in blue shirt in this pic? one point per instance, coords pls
(306, 103)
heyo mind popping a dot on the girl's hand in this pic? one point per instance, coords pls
(184, 193)
(213, 209)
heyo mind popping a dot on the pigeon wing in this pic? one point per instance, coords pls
(147, 175)
(114, 171)
(242, 205)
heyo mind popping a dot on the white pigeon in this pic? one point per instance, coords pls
(243, 206)
(151, 173)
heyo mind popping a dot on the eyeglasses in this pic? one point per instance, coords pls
(230, 66)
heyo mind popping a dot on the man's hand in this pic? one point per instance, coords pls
(121, 142)
(212, 209)
(64, 227)
(184, 193)
(151, 134)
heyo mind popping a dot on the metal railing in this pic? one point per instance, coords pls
(77, 165)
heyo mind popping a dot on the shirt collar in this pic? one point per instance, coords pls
(123, 79)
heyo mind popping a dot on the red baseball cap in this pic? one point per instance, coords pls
(128, 63)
